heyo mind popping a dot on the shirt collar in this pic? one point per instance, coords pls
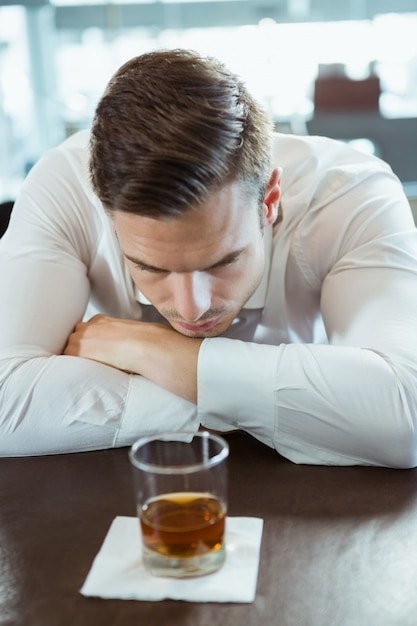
(257, 299)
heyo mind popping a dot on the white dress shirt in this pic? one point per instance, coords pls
(321, 364)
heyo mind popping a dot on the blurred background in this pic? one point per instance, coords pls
(343, 69)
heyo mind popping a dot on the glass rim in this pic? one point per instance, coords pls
(180, 469)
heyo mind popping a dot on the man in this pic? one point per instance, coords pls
(185, 268)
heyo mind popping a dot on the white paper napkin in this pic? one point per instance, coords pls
(118, 571)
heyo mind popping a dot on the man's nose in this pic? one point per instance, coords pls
(192, 296)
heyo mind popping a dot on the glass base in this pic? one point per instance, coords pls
(159, 565)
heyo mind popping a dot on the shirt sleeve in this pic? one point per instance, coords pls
(51, 403)
(353, 400)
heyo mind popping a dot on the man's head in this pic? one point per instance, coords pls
(180, 158)
(171, 127)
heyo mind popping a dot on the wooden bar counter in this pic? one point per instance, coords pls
(339, 545)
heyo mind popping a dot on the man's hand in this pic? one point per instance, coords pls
(153, 350)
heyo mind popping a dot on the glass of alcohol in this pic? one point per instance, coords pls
(181, 496)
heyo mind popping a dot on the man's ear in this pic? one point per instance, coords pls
(272, 197)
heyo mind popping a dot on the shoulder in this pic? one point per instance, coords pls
(67, 162)
(63, 173)
(72, 154)
(318, 171)
(336, 198)
(56, 202)
(76, 143)
(314, 158)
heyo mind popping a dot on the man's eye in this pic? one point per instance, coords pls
(151, 270)
(226, 262)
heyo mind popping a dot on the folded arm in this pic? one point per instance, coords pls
(50, 402)
(353, 401)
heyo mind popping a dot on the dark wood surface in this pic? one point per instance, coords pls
(339, 545)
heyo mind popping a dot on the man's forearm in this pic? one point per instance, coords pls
(155, 351)
(58, 404)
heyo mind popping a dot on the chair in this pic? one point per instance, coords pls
(5, 212)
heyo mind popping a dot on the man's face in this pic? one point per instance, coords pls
(199, 269)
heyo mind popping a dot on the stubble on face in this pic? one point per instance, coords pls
(213, 323)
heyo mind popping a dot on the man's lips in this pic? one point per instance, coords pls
(200, 327)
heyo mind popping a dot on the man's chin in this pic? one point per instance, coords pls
(200, 333)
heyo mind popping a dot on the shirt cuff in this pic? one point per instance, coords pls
(150, 409)
(236, 387)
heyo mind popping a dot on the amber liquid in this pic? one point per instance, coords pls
(181, 525)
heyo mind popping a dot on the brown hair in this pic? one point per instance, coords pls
(171, 127)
